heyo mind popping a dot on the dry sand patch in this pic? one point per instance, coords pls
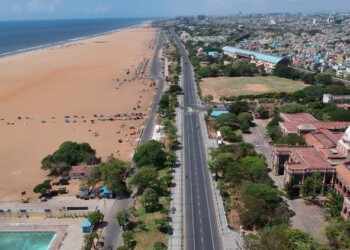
(82, 80)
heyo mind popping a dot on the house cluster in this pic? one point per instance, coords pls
(311, 42)
(327, 151)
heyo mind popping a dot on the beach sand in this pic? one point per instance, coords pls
(89, 81)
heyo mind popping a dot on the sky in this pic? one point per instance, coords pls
(55, 9)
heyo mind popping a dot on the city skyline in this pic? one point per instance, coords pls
(57, 9)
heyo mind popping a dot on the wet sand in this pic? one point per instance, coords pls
(93, 91)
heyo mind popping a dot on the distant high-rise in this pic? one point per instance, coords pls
(201, 17)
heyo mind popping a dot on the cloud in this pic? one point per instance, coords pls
(102, 8)
(42, 5)
(17, 8)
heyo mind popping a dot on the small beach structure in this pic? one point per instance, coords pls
(86, 226)
(79, 172)
(106, 193)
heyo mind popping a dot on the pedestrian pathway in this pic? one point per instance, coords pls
(176, 238)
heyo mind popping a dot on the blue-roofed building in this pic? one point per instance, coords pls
(268, 62)
(216, 113)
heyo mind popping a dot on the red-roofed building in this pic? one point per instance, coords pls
(299, 117)
(303, 123)
(299, 162)
(79, 172)
(342, 186)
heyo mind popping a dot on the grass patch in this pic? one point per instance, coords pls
(234, 86)
(147, 233)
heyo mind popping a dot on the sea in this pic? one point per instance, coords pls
(21, 36)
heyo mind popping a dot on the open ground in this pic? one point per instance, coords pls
(234, 86)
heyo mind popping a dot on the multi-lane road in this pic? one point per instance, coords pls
(200, 220)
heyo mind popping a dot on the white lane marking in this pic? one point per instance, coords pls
(189, 152)
(206, 190)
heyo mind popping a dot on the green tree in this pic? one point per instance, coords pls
(312, 186)
(220, 162)
(113, 174)
(338, 234)
(150, 153)
(291, 139)
(226, 120)
(150, 200)
(229, 134)
(292, 108)
(123, 218)
(95, 217)
(309, 78)
(69, 154)
(239, 107)
(245, 120)
(42, 187)
(263, 113)
(254, 168)
(163, 224)
(174, 88)
(129, 239)
(284, 71)
(144, 178)
(208, 98)
(254, 212)
(159, 246)
(334, 204)
(323, 78)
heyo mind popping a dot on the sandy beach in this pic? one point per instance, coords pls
(93, 91)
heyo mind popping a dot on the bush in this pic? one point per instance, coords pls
(42, 187)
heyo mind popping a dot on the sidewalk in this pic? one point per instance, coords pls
(176, 238)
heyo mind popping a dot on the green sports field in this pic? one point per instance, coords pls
(234, 86)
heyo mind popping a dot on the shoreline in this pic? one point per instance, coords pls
(71, 40)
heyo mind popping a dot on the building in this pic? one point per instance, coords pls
(342, 186)
(328, 98)
(185, 36)
(325, 152)
(267, 62)
(299, 162)
(201, 17)
(79, 172)
(303, 123)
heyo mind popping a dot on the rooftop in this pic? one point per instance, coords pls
(257, 55)
(343, 171)
(304, 158)
(299, 117)
(85, 169)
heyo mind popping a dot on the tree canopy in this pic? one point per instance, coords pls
(69, 154)
(150, 153)
(95, 217)
(144, 178)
